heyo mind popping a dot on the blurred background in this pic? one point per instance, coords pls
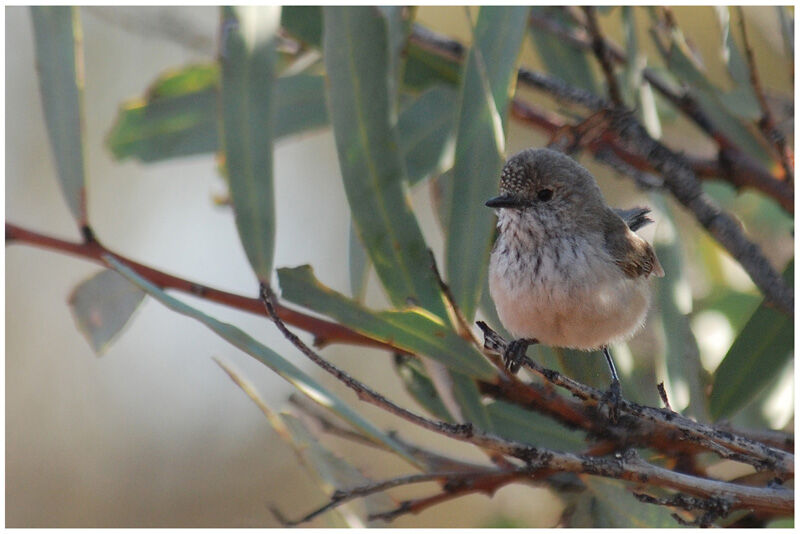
(153, 433)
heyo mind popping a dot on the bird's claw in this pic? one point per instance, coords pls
(515, 355)
(613, 399)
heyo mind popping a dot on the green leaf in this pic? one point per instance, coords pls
(177, 117)
(425, 133)
(424, 68)
(330, 471)
(710, 100)
(759, 352)
(567, 62)
(239, 339)
(303, 23)
(420, 386)
(515, 423)
(359, 266)
(486, 87)
(356, 60)
(59, 59)
(681, 356)
(248, 71)
(608, 504)
(102, 306)
(413, 329)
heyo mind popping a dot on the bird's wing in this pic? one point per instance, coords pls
(631, 253)
(635, 218)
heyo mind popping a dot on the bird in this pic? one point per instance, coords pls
(566, 270)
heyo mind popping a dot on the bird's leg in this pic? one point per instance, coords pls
(515, 352)
(614, 394)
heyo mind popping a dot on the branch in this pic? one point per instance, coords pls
(767, 122)
(722, 442)
(626, 467)
(324, 331)
(603, 56)
(745, 173)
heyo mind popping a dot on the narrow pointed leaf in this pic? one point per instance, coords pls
(608, 504)
(303, 23)
(757, 355)
(359, 266)
(515, 423)
(178, 115)
(59, 58)
(330, 470)
(419, 385)
(247, 96)
(564, 61)
(412, 329)
(480, 144)
(102, 306)
(425, 132)
(356, 52)
(239, 339)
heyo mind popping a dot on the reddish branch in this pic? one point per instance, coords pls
(324, 331)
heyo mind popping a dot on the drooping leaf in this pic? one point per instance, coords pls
(637, 90)
(178, 115)
(247, 96)
(413, 329)
(358, 266)
(102, 306)
(515, 423)
(758, 353)
(420, 386)
(425, 68)
(480, 144)
(59, 59)
(709, 99)
(303, 23)
(239, 339)
(608, 504)
(560, 59)
(330, 470)
(425, 132)
(681, 356)
(356, 52)
(741, 101)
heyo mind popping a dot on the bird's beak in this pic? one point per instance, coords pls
(506, 201)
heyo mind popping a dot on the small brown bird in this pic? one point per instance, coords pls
(566, 270)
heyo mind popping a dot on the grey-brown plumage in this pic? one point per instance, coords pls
(566, 269)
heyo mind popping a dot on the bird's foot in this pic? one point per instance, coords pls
(613, 399)
(515, 354)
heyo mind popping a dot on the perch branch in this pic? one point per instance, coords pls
(324, 331)
(626, 467)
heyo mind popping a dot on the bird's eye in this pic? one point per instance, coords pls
(544, 194)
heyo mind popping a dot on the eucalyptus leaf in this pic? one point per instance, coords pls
(757, 355)
(303, 23)
(608, 504)
(59, 59)
(487, 83)
(359, 266)
(356, 53)
(413, 329)
(571, 64)
(247, 95)
(239, 339)
(420, 386)
(425, 133)
(515, 423)
(102, 306)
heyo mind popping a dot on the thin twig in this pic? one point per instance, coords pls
(603, 56)
(722, 442)
(324, 331)
(663, 394)
(767, 122)
(627, 467)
